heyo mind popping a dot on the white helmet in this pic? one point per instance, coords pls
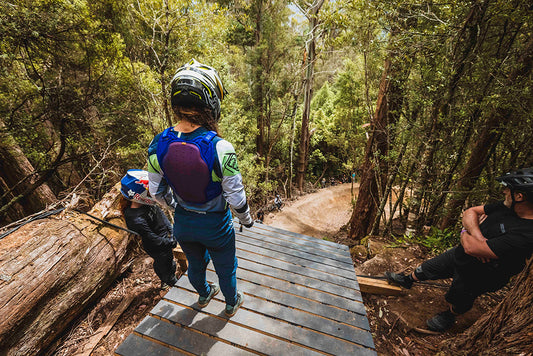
(197, 84)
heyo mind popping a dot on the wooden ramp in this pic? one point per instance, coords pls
(301, 297)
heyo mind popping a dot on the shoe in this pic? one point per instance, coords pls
(173, 281)
(399, 279)
(164, 286)
(232, 309)
(203, 301)
(442, 321)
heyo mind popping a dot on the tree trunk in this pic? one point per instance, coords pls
(16, 172)
(258, 86)
(51, 269)
(303, 151)
(374, 168)
(506, 330)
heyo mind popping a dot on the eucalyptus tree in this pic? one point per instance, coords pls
(503, 69)
(167, 33)
(311, 11)
(267, 87)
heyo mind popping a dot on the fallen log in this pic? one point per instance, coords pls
(51, 269)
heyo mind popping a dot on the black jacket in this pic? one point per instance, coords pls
(151, 223)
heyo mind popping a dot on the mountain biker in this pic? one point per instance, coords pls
(201, 169)
(278, 202)
(496, 240)
(147, 219)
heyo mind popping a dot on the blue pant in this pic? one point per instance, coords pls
(209, 237)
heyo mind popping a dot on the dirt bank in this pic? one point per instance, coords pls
(319, 214)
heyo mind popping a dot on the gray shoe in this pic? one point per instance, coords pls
(232, 309)
(203, 301)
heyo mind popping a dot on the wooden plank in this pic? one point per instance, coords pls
(300, 303)
(135, 345)
(294, 252)
(376, 286)
(301, 236)
(187, 339)
(309, 246)
(218, 327)
(305, 243)
(335, 289)
(340, 258)
(296, 260)
(275, 327)
(298, 290)
(293, 268)
(293, 316)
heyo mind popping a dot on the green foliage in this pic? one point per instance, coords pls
(437, 240)
(90, 78)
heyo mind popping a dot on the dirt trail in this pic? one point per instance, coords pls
(320, 214)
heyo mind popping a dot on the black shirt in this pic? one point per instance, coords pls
(508, 236)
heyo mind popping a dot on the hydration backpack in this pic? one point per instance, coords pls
(188, 165)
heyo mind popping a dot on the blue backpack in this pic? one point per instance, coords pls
(188, 165)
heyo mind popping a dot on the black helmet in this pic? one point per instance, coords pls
(197, 84)
(520, 180)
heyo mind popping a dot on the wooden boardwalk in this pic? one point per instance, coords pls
(301, 297)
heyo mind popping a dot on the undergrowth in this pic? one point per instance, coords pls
(436, 240)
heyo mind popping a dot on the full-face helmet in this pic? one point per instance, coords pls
(134, 187)
(197, 84)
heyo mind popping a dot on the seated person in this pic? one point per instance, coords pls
(496, 241)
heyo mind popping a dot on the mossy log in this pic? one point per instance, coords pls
(51, 269)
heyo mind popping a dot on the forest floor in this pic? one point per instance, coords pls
(322, 214)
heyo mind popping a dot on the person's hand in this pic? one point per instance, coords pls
(249, 225)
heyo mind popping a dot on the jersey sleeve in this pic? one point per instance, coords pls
(232, 185)
(491, 208)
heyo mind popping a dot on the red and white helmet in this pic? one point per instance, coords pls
(134, 187)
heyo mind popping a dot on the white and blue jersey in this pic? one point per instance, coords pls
(210, 214)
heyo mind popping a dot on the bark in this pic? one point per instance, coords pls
(506, 330)
(14, 169)
(51, 269)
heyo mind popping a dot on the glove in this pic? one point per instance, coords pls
(243, 214)
(171, 243)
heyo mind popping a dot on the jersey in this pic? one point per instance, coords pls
(225, 171)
